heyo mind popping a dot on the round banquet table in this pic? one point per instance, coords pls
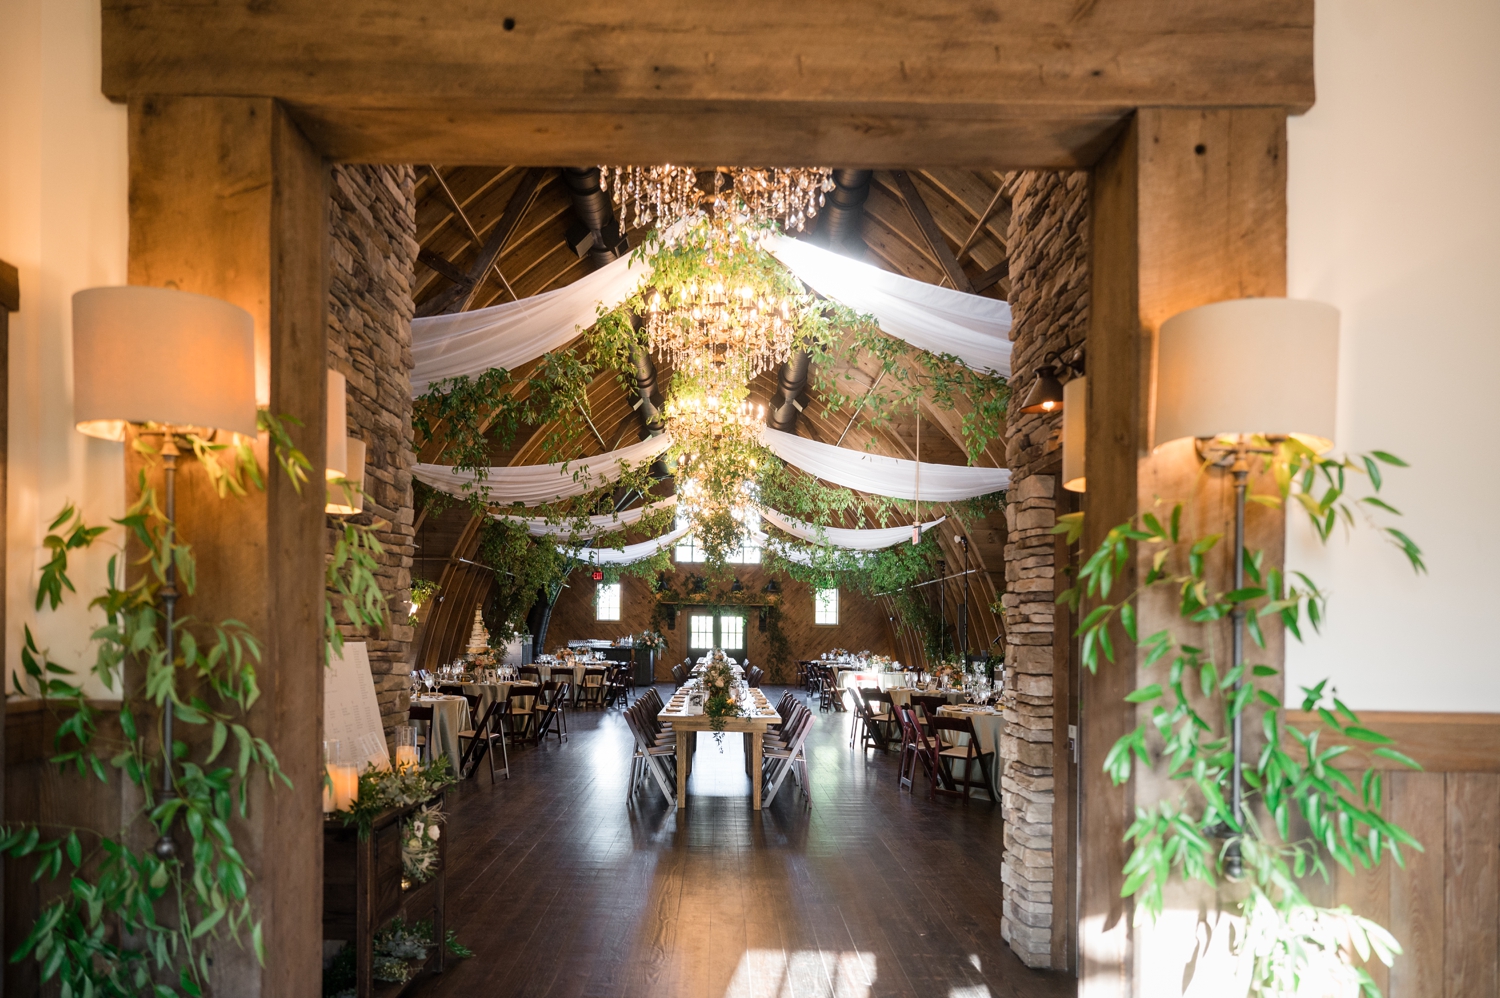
(450, 715)
(490, 692)
(989, 725)
(903, 694)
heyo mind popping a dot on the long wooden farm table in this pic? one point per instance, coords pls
(687, 727)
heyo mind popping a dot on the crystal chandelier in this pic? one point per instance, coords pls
(720, 337)
(664, 194)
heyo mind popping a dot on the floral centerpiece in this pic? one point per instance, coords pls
(949, 673)
(719, 687)
(652, 641)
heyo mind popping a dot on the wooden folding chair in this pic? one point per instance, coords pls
(653, 756)
(550, 711)
(785, 757)
(417, 712)
(481, 740)
(968, 753)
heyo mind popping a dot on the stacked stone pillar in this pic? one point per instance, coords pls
(373, 252)
(1048, 249)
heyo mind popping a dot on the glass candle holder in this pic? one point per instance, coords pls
(330, 759)
(406, 746)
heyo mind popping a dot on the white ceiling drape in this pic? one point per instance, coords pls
(630, 552)
(514, 332)
(534, 484)
(845, 537)
(885, 476)
(973, 328)
(602, 524)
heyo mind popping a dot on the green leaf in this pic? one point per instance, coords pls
(1366, 735)
(1395, 756)
(1127, 620)
(1144, 694)
(1389, 459)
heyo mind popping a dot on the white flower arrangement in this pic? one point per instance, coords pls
(419, 843)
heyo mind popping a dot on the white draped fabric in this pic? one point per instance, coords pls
(630, 553)
(514, 332)
(973, 328)
(534, 484)
(885, 476)
(844, 537)
(602, 524)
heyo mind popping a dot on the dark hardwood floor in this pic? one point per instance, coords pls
(563, 887)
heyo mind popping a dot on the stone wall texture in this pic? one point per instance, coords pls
(373, 251)
(1048, 250)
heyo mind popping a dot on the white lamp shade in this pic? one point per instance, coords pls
(1075, 434)
(157, 355)
(344, 499)
(336, 464)
(1249, 366)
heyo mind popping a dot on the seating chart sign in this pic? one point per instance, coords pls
(350, 713)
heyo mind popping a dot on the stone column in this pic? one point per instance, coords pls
(373, 222)
(1048, 245)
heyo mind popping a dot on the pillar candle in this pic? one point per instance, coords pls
(406, 755)
(345, 786)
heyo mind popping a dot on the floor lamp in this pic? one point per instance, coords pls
(166, 362)
(1237, 377)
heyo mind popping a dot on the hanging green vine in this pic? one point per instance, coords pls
(170, 909)
(1293, 782)
(134, 921)
(523, 567)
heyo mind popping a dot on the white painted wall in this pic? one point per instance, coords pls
(1395, 218)
(63, 223)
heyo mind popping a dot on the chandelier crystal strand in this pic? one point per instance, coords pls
(665, 194)
(660, 194)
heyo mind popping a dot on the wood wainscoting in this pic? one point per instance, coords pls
(1444, 907)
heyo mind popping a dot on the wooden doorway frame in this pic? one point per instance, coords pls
(1043, 84)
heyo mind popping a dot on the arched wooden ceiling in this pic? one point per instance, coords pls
(941, 226)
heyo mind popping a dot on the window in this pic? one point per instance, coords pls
(607, 601)
(732, 632)
(826, 606)
(700, 632)
(748, 553)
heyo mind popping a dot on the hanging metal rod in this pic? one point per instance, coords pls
(929, 582)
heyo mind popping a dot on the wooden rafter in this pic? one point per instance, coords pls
(931, 233)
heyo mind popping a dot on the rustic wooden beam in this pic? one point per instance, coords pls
(228, 198)
(10, 287)
(1188, 208)
(991, 277)
(1039, 83)
(936, 242)
(489, 253)
(431, 260)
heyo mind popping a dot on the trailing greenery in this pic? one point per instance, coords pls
(907, 376)
(523, 566)
(351, 574)
(380, 790)
(1301, 812)
(134, 920)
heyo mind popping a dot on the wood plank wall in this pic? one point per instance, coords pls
(1444, 907)
(862, 622)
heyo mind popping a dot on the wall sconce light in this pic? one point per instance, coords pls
(1237, 376)
(1046, 393)
(167, 362)
(1075, 434)
(346, 494)
(336, 464)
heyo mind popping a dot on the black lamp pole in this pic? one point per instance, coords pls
(166, 849)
